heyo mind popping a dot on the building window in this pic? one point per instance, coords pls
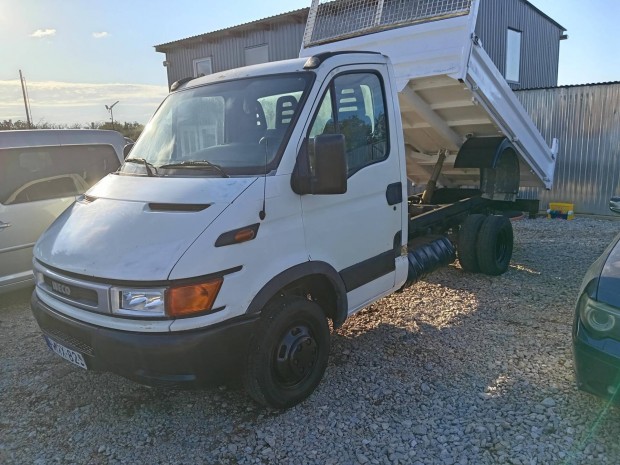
(256, 55)
(513, 55)
(202, 67)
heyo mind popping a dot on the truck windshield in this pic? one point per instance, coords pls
(219, 130)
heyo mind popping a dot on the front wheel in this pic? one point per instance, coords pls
(288, 353)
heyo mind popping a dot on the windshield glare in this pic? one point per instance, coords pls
(239, 126)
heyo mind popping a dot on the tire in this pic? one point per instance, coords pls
(288, 353)
(468, 242)
(495, 243)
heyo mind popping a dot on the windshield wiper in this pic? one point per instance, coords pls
(198, 163)
(146, 164)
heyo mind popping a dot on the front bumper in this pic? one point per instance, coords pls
(207, 356)
(597, 363)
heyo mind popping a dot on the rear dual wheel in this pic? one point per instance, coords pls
(495, 243)
(467, 242)
(485, 244)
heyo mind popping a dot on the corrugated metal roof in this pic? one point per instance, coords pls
(303, 11)
(592, 84)
(221, 32)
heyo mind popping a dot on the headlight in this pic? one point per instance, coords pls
(138, 302)
(175, 301)
(601, 319)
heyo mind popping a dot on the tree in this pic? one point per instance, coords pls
(131, 130)
(8, 125)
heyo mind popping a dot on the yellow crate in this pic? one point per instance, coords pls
(565, 211)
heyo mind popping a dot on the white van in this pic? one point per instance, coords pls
(42, 172)
(261, 202)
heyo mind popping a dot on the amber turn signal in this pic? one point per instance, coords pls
(245, 235)
(237, 236)
(196, 298)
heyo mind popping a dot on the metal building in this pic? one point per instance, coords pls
(586, 120)
(522, 41)
(503, 25)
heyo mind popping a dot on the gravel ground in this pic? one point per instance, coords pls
(459, 369)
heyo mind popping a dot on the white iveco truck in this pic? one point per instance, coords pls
(261, 202)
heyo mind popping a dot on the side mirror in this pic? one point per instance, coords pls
(330, 165)
(127, 149)
(614, 204)
(321, 166)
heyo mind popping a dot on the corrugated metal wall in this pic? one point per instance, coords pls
(540, 40)
(283, 39)
(586, 120)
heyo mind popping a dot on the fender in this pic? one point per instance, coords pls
(482, 152)
(297, 272)
(499, 166)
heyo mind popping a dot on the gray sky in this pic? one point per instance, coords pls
(79, 55)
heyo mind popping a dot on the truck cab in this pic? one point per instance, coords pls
(247, 191)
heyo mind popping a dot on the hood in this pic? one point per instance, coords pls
(609, 282)
(135, 228)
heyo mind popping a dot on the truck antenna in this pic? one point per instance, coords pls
(262, 214)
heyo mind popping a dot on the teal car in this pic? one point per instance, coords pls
(596, 328)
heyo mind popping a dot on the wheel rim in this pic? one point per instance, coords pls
(295, 356)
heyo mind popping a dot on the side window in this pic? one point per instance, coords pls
(42, 173)
(324, 119)
(48, 188)
(359, 115)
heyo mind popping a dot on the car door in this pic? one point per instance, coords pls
(21, 224)
(358, 232)
(36, 185)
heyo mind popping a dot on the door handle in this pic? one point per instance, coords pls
(4, 225)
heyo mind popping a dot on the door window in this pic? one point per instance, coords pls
(31, 174)
(354, 106)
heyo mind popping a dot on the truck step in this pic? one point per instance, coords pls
(426, 255)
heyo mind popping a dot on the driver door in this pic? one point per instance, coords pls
(358, 232)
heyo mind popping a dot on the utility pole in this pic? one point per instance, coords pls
(109, 108)
(26, 103)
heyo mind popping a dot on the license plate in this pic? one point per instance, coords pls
(70, 355)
